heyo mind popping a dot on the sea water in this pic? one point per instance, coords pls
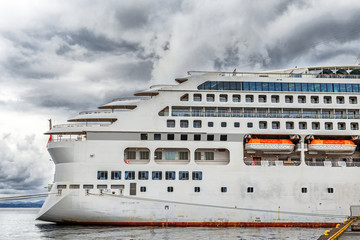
(20, 223)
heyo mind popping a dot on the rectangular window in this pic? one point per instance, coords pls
(354, 126)
(341, 126)
(353, 100)
(223, 137)
(249, 98)
(197, 97)
(262, 99)
(196, 189)
(183, 137)
(197, 175)
(250, 189)
(184, 123)
(197, 137)
(170, 175)
(183, 175)
(102, 175)
(88, 186)
(275, 99)
(236, 124)
(142, 189)
(170, 123)
(223, 98)
(197, 155)
(74, 186)
(158, 155)
(314, 99)
(223, 124)
(210, 137)
(302, 125)
(328, 126)
(304, 190)
(289, 125)
(209, 156)
(263, 125)
(156, 175)
(197, 123)
(170, 136)
(131, 155)
(330, 190)
(143, 175)
(289, 99)
(315, 125)
(144, 155)
(210, 97)
(183, 156)
(170, 189)
(223, 189)
(129, 175)
(236, 98)
(115, 175)
(275, 125)
(143, 136)
(327, 99)
(210, 124)
(249, 124)
(169, 155)
(157, 136)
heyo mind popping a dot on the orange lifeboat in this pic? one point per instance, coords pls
(281, 146)
(331, 146)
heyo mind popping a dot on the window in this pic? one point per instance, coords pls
(183, 156)
(209, 156)
(236, 98)
(197, 123)
(74, 186)
(223, 137)
(143, 189)
(315, 125)
(184, 123)
(250, 189)
(157, 136)
(353, 100)
(249, 124)
(341, 126)
(88, 186)
(129, 175)
(130, 154)
(223, 124)
(143, 175)
(328, 126)
(210, 97)
(340, 100)
(304, 190)
(289, 125)
(302, 125)
(170, 123)
(156, 175)
(289, 99)
(197, 175)
(301, 99)
(197, 97)
(143, 136)
(236, 124)
(275, 125)
(354, 126)
(169, 155)
(275, 99)
(183, 175)
(210, 137)
(223, 189)
(170, 175)
(197, 155)
(330, 190)
(263, 125)
(249, 98)
(101, 186)
(196, 189)
(115, 175)
(170, 189)
(144, 155)
(102, 175)
(170, 136)
(223, 98)
(197, 137)
(262, 99)
(184, 97)
(183, 137)
(210, 124)
(314, 99)
(158, 155)
(327, 100)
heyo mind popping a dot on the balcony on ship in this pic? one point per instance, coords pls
(172, 156)
(219, 156)
(137, 155)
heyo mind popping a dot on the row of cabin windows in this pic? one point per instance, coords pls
(184, 137)
(144, 175)
(170, 189)
(279, 86)
(274, 99)
(130, 155)
(304, 125)
(196, 124)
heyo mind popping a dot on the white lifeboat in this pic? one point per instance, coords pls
(331, 146)
(280, 146)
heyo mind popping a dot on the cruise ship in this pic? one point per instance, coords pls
(271, 148)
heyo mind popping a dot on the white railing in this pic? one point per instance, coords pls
(81, 125)
(95, 112)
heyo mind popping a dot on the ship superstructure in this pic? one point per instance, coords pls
(217, 148)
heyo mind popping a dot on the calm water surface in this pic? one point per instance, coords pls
(21, 224)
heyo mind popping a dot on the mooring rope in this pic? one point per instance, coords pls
(225, 207)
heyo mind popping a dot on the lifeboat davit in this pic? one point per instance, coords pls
(332, 146)
(280, 146)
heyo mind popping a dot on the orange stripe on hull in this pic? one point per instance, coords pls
(213, 224)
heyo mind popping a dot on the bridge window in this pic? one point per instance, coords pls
(170, 175)
(143, 175)
(156, 175)
(102, 175)
(115, 175)
(129, 175)
(183, 175)
(197, 175)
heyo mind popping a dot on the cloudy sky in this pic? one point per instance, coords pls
(61, 57)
